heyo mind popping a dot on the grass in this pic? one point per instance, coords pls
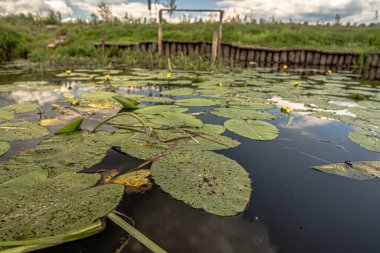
(22, 37)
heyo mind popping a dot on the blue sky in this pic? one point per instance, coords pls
(298, 10)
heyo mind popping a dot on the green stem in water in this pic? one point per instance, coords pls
(135, 233)
(125, 114)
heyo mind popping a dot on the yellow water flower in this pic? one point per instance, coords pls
(68, 72)
(169, 75)
(296, 84)
(329, 71)
(286, 110)
(220, 84)
(91, 77)
(285, 67)
(107, 77)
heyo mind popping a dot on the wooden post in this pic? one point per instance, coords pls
(215, 45)
(160, 37)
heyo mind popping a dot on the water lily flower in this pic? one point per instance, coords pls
(220, 84)
(169, 75)
(107, 77)
(285, 67)
(68, 72)
(296, 84)
(91, 77)
(329, 72)
(286, 110)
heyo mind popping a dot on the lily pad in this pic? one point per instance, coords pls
(6, 115)
(4, 147)
(366, 139)
(251, 106)
(157, 109)
(174, 119)
(179, 92)
(235, 113)
(22, 131)
(72, 152)
(163, 100)
(42, 206)
(355, 170)
(17, 166)
(20, 108)
(138, 146)
(197, 102)
(253, 129)
(205, 180)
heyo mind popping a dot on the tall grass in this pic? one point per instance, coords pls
(23, 37)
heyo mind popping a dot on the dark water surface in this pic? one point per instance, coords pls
(293, 208)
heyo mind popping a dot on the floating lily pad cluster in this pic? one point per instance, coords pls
(42, 189)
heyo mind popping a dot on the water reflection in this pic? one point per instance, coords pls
(178, 228)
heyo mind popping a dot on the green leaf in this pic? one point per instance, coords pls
(21, 107)
(22, 131)
(355, 170)
(71, 127)
(366, 139)
(6, 115)
(157, 109)
(197, 102)
(127, 102)
(251, 106)
(4, 147)
(235, 113)
(174, 119)
(34, 206)
(178, 92)
(72, 152)
(253, 129)
(205, 180)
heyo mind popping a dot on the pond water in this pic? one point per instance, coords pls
(292, 208)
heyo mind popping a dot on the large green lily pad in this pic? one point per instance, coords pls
(34, 206)
(197, 102)
(17, 166)
(72, 152)
(355, 170)
(138, 146)
(174, 119)
(253, 129)
(366, 139)
(205, 180)
(6, 115)
(21, 107)
(157, 109)
(4, 147)
(22, 131)
(236, 113)
(179, 92)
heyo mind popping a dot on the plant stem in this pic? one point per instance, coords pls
(135, 233)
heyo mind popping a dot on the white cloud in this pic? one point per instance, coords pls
(301, 10)
(75, 8)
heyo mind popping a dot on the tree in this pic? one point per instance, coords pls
(376, 18)
(105, 11)
(337, 19)
(172, 5)
(94, 18)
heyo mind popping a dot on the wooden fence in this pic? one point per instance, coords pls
(367, 65)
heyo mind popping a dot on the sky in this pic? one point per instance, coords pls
(353, 11)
